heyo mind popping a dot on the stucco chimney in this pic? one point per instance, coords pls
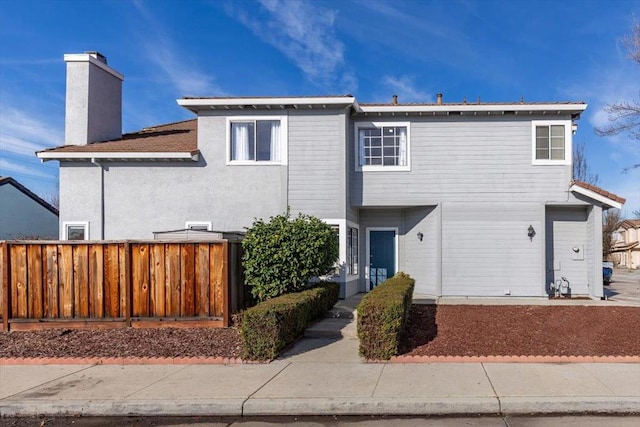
(394, 99)
(439, 99)
(94, 99)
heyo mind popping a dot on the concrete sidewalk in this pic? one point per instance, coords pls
(320, 376)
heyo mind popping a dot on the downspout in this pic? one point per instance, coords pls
(101, 166)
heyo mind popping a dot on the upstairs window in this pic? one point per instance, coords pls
(551, 143)
(382, 146)
(253, 140)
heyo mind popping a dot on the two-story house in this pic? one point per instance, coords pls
(471, 199)
(626, 247)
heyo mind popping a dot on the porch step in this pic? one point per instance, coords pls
(332, 328)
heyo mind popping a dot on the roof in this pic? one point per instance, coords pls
(597, 193)
(4, 180)
(630, 223)
(178, 138)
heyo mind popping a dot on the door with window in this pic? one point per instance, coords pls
(382, 256)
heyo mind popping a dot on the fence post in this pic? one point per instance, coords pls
(127, 280)
(226, 294)
(5, 285)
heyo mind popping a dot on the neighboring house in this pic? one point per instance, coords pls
(24, 215)
(626, 248)
(471, 199)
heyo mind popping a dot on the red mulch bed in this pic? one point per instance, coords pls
(126, 342)
(473, 330)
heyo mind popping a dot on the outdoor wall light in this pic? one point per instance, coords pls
(531, 232)
(420, 236)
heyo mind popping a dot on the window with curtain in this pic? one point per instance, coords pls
(383, 146)
(255, 140)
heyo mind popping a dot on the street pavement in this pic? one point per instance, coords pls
(321, 374)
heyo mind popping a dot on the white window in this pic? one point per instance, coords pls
(254, 140)
(198, 225)
(551, 142)
(75, 230)
(352, 250)
(382, 146)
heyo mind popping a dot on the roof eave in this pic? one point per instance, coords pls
(607, 201)
(116, 156)
(576, 108)
(321, 102)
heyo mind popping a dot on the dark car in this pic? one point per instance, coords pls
(607, 272)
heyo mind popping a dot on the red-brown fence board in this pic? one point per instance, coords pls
(86, 283)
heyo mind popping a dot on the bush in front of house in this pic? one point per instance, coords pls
(383, 315)
(272, 325)
(281, 255)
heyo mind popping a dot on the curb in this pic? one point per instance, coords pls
(510, 359)
(126, 361)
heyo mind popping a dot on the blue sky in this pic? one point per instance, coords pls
(498, 50)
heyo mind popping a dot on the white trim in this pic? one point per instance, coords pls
(200, 103)
(342, 241)
(380, 168)
(189, 224)
(568, 145)
(368, 231)
(66, 224)
(116, 155)
(443, 109)
(284, 140)
(86, 57)
(596, 196)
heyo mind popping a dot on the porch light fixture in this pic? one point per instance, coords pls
(531, 232)
(420, 236)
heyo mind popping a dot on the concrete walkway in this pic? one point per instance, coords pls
(322, 375)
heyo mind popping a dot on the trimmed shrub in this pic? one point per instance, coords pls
(281, 255)
(383, 315)
(272, 325)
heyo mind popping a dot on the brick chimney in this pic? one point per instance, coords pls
(94, 99)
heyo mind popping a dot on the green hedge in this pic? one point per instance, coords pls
(383, 315)
(272, 325)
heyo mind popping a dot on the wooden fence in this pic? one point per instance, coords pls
(118, 283)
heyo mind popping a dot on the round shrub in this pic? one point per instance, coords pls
(281, 255)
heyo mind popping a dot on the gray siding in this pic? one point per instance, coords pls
(486, 250)
(466, 158)
(22, 217)
(566, 228)
(317, 165)
(416, 258)
(594, 251)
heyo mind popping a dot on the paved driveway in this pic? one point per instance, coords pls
(624, 287)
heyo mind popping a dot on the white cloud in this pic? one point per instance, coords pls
(405, 88)
(305, 33)
(23, 134)
(179, 69)
(25, 169)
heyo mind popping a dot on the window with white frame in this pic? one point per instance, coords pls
(551, 142)
(382, 146)
(76, 230)
(256, 139)
(352, 250)
(198, 225)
